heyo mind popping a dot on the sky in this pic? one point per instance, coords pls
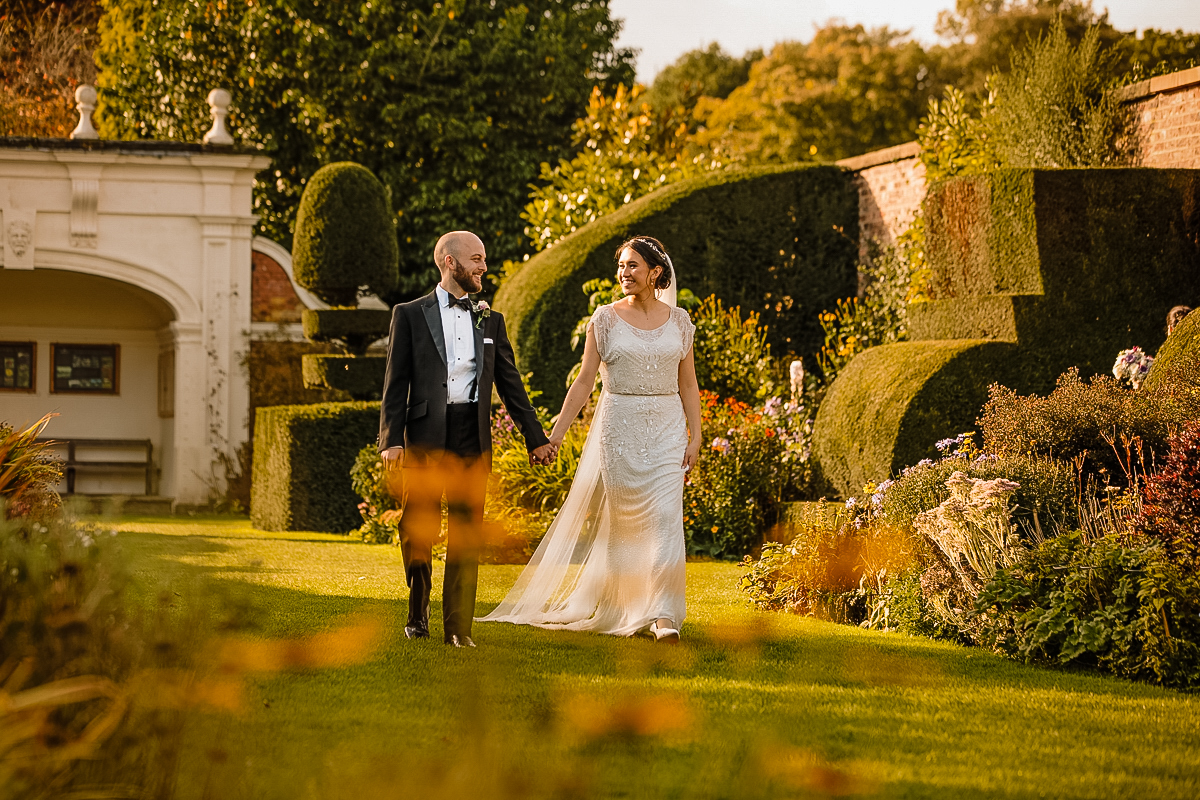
(665, 29)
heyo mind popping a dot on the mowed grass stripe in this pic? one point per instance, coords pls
(750, 705)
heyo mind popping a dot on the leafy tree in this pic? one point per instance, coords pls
(848, 91)
(1157, 52)
(704, 72)
(45, 53)
(452, 104)
(983, 35)
(1055, 109)
(627, 150)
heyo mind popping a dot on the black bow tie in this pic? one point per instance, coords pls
(463, 302)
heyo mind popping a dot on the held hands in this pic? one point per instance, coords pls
(544, 456)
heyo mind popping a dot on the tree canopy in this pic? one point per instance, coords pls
(452, 104)
(704, 72)
(848, 91)
(628, 149)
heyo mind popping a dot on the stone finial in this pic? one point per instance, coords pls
(85, 103)
(218, 103)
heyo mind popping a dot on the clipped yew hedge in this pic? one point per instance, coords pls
(302, 461)
(1176, 368)
(1034, 272)
(892, 403)
(345, 235)
(1073, 264)
(361, 377)
(780, 240)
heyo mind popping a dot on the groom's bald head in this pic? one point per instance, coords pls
(463, 246)
(462, 260)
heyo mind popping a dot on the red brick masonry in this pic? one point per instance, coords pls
(1168, 110)
(272, 298)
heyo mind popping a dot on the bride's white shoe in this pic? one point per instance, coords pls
(668, 635)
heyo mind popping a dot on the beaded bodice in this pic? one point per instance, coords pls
(641, 362)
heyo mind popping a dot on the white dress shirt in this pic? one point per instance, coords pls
(459, 332)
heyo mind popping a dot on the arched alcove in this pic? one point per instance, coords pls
(64, 320)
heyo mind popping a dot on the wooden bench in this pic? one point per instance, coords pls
(72, 464)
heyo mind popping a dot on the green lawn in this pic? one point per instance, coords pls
(749, 705)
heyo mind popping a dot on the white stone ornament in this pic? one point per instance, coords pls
(19, 227)
(218, 103)
(20, 235)
(85, 104)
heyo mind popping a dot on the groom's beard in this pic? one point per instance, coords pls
(466, 279)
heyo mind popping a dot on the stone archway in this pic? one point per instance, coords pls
(55, 315)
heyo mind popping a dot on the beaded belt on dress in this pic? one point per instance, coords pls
(646, 394)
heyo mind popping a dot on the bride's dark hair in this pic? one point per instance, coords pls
(654, 254)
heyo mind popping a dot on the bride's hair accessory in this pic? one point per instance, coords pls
(655, 254)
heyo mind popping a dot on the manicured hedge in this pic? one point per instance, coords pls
(1085, 262)
(780, 240)
(1177, 365)
(361, 377)
(358, 328)
(302, 461)
(345, 235)
(891, 404)
(1034, 271)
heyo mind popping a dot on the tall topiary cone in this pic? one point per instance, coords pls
(345, 236)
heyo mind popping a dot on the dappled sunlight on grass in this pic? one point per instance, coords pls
(749, 704)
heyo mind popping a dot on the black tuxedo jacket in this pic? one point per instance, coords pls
(413, 413)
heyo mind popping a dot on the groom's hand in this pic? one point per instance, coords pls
(542, 455)
(393, 458)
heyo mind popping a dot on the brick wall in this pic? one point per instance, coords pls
(272, 298)
(891, 182)
(891, 186)
(1168, 113)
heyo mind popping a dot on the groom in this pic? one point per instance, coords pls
(445, 354)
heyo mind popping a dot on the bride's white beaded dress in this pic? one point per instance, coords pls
(613, 561)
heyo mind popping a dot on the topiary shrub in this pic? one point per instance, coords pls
(345, 235)
(1176, 368)
(1033, 272)
(361, 377)
(302, 461)
(782, 241)
(892, 403)
(356, 329)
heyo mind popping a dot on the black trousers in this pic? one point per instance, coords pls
(458, 474)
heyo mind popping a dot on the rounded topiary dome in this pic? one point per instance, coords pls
(345, 236)
(1177, 365)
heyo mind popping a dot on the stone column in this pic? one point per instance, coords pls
(192, 453)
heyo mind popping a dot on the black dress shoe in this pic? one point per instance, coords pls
(416, 632)
(455, 640)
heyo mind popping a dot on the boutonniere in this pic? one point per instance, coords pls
(482, 311)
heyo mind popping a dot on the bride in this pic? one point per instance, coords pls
(613, 559)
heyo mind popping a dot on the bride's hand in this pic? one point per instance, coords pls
(691, 456)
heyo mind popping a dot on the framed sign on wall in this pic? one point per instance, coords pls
(18, 366)
(85, 368)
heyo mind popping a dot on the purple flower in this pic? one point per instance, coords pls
(721, 445)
